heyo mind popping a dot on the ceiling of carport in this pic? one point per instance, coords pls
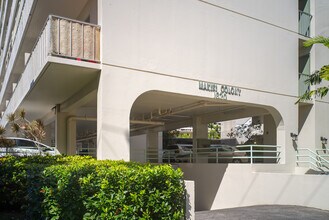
(156, 108)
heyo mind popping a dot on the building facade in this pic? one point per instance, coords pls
(113, 74)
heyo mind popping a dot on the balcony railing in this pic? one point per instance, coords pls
(60, 37)
(304, 21)
(74, 39)
(303, 87)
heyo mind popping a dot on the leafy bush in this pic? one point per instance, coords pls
(78, 187)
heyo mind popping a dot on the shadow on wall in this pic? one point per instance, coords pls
(206, 183)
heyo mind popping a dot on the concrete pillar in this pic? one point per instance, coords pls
(138, 148)
(71, 136)
(200, 135)
(61, 132)
(113, 111)
(200, 131)
(152, 149)
(269, 130)
(49, 134)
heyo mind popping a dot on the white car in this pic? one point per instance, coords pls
(177, 153)
(25, 147)
(227, 154)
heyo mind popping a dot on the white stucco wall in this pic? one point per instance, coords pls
(264, 10)
(196, 40)
(317, 122)
(114, 110)
(170, 45)
(219, 186)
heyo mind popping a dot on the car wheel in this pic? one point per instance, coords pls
(236, 161)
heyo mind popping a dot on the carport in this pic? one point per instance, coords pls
(155, 111)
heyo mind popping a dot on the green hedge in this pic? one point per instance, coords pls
(78, 187)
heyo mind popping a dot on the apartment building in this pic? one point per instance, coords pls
(116, 73)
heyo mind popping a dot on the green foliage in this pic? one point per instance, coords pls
(184, 135)
(78, 187)
(214, 130)
(317, 40)
(319, 75)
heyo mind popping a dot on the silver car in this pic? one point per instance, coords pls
(25, 147)
(227, 154)
(177, 153)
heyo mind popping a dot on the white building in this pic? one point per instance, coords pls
(119, 72)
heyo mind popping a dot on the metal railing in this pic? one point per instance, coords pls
(87, 146)
(303, 87)
(9, 58)
(313, 159)
(51, 42)
(304, 21)
(74, 39)
(244, 154)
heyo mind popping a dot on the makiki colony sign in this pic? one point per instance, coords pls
(220, 91)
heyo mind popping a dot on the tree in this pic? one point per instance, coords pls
(33, 130)
(214, 130)
(249, 131)
(319, 75)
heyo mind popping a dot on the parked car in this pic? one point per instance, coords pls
(227, 154)
(177, 153)
(25, 147)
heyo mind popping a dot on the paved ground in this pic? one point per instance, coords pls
(265, 212)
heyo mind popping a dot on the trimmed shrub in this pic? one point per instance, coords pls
(78, 187)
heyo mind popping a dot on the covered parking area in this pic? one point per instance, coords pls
(154, 112)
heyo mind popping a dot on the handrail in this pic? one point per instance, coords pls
(318, 161)
(317, 155)
(214, 155)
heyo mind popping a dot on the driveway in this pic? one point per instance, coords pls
(265, 212)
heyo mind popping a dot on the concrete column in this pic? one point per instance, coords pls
(200, 135)
(113, 110)
(269, 130)
(71, 136)
(200, 131)
(152, 138)
(61, 132)
(49, 134)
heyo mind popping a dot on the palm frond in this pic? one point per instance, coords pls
(15, 128)
(2, 130)
(319, 92)
(22, 114)
(317, 40)
(324, 72)
(11, 117)
(314, 78)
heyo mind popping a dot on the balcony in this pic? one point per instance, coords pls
(73, 39)
(65, 58)
(304, 22)
(302, 86)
